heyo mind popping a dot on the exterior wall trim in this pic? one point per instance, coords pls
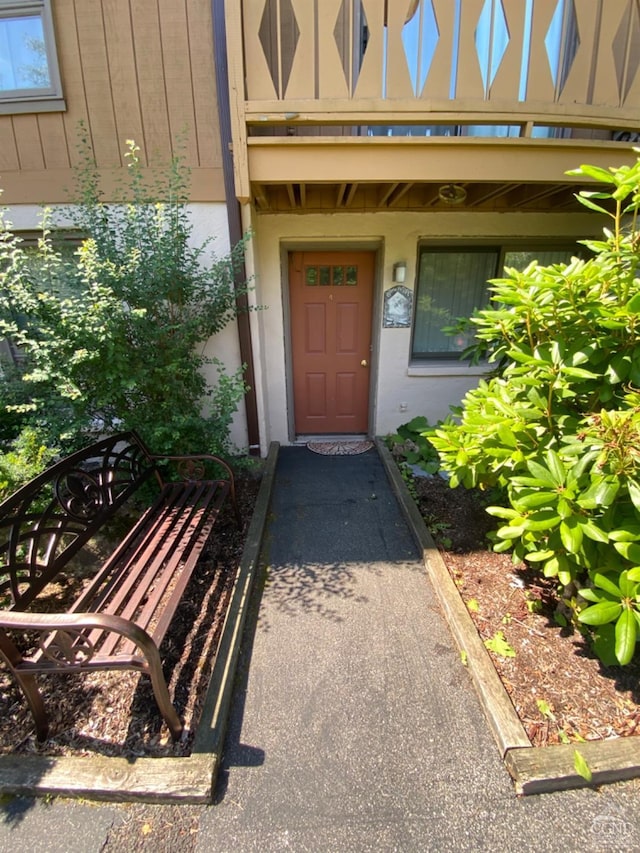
(235, 218)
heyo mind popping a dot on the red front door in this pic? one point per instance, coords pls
(331, 295)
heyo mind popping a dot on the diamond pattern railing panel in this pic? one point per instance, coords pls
(331, 80)
(562, 43)
(626, 49)
(556, 52)
(492, 39)
(371, 81)
(259, 79)
(467, 78)
(348, 33)
(441, 78)
(420, 36)
(540, 86)
(279, 35)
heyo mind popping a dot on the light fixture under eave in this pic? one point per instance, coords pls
(452, 193)
(400, 272)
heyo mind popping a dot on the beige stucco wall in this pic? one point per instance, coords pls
(209, 223)
(399, 390)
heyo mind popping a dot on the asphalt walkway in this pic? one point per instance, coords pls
(354, 725)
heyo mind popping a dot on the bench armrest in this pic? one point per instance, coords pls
(190, 466)
(72, 625)
(71, 650)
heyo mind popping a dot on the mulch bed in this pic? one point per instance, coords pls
(114, 713)
(560, 690)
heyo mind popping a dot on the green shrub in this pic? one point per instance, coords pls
(14, 401)
(558, 426)
(411, 444)
(27, 457)
(114, 336)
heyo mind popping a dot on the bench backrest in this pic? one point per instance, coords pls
(50, 518)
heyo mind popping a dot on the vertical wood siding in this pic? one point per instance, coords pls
(131, 69)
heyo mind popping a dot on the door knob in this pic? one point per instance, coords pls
(364, 362)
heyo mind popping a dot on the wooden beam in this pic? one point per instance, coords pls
(260, 196)
(481, 193)
(292, 195)
(562, 197)
(530, 194)
(352, 191)
(237, 103)
(440, 160)
(367, 111)
(539, 770)
(180, 780)
(403, 190)
(386, 194)
(409, 196)
(568, 200)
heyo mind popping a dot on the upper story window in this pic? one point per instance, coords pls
(29, 77)
(452, 284)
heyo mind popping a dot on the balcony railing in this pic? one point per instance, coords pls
(516, 63)
(429, 88)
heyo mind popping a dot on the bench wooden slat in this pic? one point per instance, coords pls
(170, 562)
(206, 527)
(171, 555)
(139, 549)
(158, 548)
(113, 571)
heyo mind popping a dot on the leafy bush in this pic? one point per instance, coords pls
(558, 426)
(411, 443)
(27, 457)
(114, 336)
(14, 400)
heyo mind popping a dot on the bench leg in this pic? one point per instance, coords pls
(163, 700)
(28, 684)
(30, 689)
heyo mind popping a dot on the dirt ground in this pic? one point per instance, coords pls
(561, 692)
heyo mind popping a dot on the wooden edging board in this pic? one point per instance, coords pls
(534, 770)
(159, 780)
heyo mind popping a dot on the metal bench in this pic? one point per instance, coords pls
(121, 616)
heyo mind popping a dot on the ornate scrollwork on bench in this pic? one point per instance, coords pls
(191, 469)
(67, 647)
(79, 493)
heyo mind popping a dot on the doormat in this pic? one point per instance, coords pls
(339, 448)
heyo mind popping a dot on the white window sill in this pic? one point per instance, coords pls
(447, 368)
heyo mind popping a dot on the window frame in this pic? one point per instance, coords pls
(501, 248)
(42, 99)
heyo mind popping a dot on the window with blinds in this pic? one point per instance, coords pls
(452, 283)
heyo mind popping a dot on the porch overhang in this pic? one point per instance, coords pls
(351, 172)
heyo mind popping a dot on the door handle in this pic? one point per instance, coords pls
(364, 363)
